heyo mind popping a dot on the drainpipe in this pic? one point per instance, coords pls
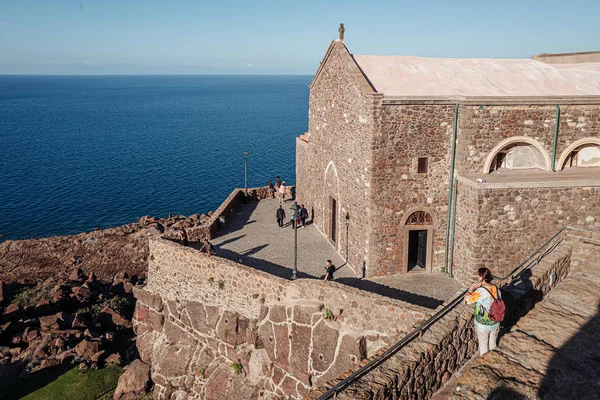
(451, 181)
(555, 138)
(451, 258)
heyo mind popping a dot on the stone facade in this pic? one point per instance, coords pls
(199, 315)
(404, 134)
(363, 150)
(498, 227)
(334, 160)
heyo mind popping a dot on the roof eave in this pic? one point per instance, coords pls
(492, 100)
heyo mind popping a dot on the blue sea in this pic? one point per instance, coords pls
(80, 152)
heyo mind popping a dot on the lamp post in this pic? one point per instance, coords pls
(294, 211)
(246, 170)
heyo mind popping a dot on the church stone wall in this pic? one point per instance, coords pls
(481, 128)
(336, 160)
(498, 228)
(403, 134)
(199, 315)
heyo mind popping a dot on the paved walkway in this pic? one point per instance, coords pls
(251, 236)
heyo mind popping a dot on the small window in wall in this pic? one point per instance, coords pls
(422, 167)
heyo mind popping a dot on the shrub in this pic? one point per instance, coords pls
(237, 368)
(255, 295)
(221, 285)
(328, 315)
(31, 296)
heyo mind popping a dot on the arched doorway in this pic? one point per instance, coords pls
(418, 241)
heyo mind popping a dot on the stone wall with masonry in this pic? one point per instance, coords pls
(498, 227)
(199, 315)
(421, 367)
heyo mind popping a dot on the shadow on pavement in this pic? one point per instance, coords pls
(398, 294)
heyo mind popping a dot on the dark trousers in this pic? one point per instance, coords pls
(280, 222)
(303, 220)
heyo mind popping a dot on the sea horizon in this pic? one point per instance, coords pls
(80, 152)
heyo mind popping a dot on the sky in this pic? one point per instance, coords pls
(276, 37)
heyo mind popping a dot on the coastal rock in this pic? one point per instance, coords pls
(86, 348)
(76, 275)
(134, 383)
(5, 292)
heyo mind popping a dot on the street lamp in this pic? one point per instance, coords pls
(294, 210)
(246, 170)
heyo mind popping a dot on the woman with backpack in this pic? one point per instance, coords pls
(489, 309)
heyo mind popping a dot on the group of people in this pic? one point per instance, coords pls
(301, 215)
(278, 188)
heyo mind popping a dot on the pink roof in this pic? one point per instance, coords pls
(405, 76)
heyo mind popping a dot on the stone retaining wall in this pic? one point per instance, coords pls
(498, 227)
(420, 368)
(289, 336)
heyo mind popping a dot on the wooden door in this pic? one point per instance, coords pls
(333, 219)
(422, 248)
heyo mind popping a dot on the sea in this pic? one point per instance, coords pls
(85, 152)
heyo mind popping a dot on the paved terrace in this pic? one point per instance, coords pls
(252, 237)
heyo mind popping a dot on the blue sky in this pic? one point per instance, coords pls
(281, 37)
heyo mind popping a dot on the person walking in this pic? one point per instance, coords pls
(303, 215)
(271, 189)
(277, 181)
(208, 248)
(281, 192)
(280, 216)
(329, 270)
(483, 294)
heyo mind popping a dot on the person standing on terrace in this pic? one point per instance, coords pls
(482, 293)
(271, 189)
(281, 192)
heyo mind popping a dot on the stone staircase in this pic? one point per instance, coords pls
(553, 352)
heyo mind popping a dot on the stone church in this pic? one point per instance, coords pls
(420, 165)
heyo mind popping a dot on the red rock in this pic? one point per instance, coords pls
(76, 275)
(82, 293)
(5, 292)
(114, 358)
(92, 278)
(12, 311)
(134, 382)
(52, 321)
(109, 316)
(81, 321)
(86, 348)
(97, 356)
(30, 334)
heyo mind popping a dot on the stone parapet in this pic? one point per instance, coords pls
(199, 315)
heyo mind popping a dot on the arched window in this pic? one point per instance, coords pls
(419, 218)
(587, 155)
(518, 156)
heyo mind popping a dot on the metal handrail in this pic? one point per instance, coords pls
(528, 263)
